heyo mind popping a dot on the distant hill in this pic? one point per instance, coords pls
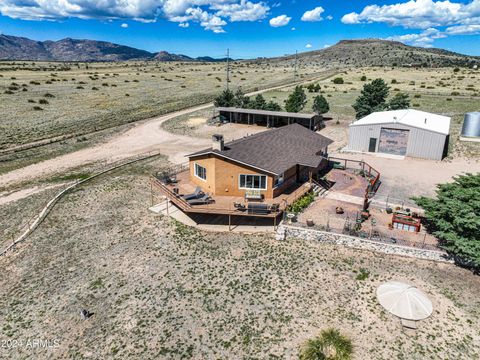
(375, 52)
(367, 52)
(20, 48)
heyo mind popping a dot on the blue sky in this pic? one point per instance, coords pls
(250, 28)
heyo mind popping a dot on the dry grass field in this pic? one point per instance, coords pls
(160, 290)
(77, 105)
(440, 90)
(79, 98)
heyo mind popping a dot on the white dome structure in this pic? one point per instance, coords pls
(404, 300)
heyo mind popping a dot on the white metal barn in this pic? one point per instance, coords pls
(401, 132)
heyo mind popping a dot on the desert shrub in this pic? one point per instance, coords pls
(37, 108)
(329, 345)
(363, 274)
(417, 96)
(394, 81)
(48, 95)
(338, 80)
(9, 92)
(43, 101)
(31, 101)
(94, 88)
(449, 99)
(80, 87)
(363, 78)
(454, 93)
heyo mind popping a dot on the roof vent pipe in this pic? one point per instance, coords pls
(425, 120)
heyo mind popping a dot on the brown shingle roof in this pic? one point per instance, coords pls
(277, 150)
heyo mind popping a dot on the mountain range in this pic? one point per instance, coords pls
(363, 52)
(21, 48)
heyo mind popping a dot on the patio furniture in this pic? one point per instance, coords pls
(204, 200)
(274, 207)
(253, 195)
(259, 209)
(239, 206)
(198, 193)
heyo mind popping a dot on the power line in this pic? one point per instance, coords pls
(228, 67)
(295, 69)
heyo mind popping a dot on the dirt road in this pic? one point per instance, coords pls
(146, 136)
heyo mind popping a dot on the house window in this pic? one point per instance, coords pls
(200, 172)
(258, 182)
(279, 180)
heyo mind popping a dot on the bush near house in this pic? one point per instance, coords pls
(454, 218)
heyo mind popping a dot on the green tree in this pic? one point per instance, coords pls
(240, 100)
(225, 99)
(399, 101)
(338, 80)
(454, 218)
(363, 78)
(273, 106)
(311, 87)
(373, 98)
(320, 105)
(258, 103)
(317, 87)
(297, 100)
(329, 345)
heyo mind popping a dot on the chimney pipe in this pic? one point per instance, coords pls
(217, 142)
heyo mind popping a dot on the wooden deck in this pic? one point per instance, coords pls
(224, 205)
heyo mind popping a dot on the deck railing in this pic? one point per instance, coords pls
(231, 209)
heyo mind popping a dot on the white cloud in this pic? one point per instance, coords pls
(184, 24)
(279, 21)
(418, 14)
(210, 14)
(329, 17)
(308, 46)
(293, 29)
(423, 39)
(463, 30)
(326, 46)
(243, 11)
(313, 15)
(124, 25)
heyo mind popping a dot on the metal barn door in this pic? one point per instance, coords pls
(393, 141)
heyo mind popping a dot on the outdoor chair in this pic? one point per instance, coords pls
(239, 206)
(204, 200)
(198, 193)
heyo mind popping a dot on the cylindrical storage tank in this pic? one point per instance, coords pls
(471, 125)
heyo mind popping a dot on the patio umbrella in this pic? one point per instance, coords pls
(404, 300)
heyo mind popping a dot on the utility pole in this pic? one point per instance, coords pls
(228, 67)
(295, 68)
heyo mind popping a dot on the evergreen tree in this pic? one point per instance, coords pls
(317, 87)
(296, 101)
(399, 101)
(373, 98)
(240, 100)
(273, 106)
(320, 105)
(454, 218)
(225, 99)
(258, 103)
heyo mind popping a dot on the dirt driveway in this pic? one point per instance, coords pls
(146, 136)
(402, 179)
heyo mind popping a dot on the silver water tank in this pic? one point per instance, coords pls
(471, 125)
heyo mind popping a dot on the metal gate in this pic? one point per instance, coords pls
(393, 141)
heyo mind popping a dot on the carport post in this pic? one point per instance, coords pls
(275, 223)
(229, 222)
